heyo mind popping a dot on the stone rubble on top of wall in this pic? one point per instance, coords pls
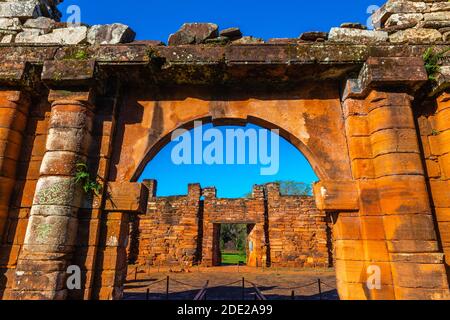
(398, 21)
(37, 21)
(425, 21)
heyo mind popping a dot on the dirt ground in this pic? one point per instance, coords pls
(225, 283)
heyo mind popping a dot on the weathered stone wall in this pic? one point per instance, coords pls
(169, 231)
(385, 192)
(299, 233)
(285, 231)
(425, 21)
(218, 211)
(434, 124)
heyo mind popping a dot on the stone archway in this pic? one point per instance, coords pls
(362, 143)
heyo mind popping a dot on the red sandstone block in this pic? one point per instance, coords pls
(444, 232)
(10, 135)
(442, 214)
(357, 126)
(371, 250)
(37, 144)
(412, 246)
(398, 163)
(415, 275)
(439, 191)
(403, 194)
(8, 167)
(347, 227)
(390, 118)
(60, 163)
(24, 193)
(37, 125)
(409, 227)
(399, 140)
(421, 294)
(378, 99)
(441, 120)
(359, 148)
(352, 271)
(16, 231)
(433, 168)
(12, 119)
(9, 150)
(426, 147)
(369, 199)
(71, 116)
(6, 187)
(354, 107)
(440, 144)
(29, 170)
(443, 102)
(444, 162)
(372, 227)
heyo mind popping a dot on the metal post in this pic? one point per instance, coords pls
(147, 295)
(243, 288)
(293, 295)
(167, 288)
(135, 273)
(320, 288)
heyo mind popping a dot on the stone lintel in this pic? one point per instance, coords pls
(13, 73)
(69, 73)
(336, 195)
(72, 95)
(126, 197)
(378, 72)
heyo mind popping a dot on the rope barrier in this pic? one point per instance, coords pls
(332, 287)
(226, 284)
(186, 284)
(155, 282)
(284, 288)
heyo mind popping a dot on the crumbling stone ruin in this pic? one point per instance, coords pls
(37, 21)
(367, 108)
(182, 231)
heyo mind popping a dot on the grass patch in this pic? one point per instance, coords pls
(233, 258)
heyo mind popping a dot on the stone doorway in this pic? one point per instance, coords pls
(234, 244)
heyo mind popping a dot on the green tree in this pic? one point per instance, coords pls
(291, 188)
(234, 233)
(294, 188)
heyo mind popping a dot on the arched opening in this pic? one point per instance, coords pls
(196, 203)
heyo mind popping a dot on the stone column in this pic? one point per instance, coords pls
(52, 229)
(111, 267)
(208, 228)
(395, 222)
(437, 146)
(14, 106)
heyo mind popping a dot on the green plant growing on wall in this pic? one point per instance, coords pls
(83, 177)
(432, 61)
(78, 54)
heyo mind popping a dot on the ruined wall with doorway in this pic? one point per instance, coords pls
(181, 231)
(168, 232)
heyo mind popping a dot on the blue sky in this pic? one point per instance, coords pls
(155, 20)
(231, 180)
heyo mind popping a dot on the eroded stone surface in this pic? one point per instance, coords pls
(357, 35)
(110, 34)
(194, 33)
